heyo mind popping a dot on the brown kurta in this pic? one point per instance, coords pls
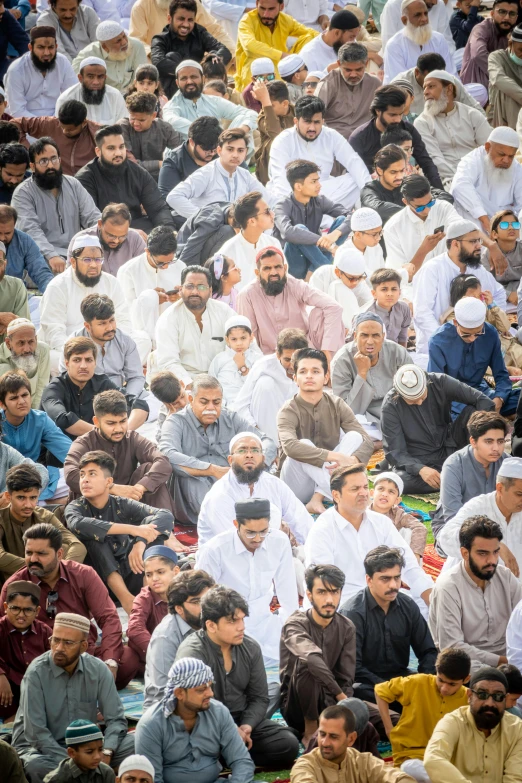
(402, 519)
(483, 39)
(347, 107)
(355, 768)
(147, 147)
(12, 548)
(74, 153)
(270, 126)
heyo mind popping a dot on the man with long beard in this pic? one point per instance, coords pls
(21, 350)
(105, 104)
(320, 52)
(449, 129)
(121, 54)
(415, 38)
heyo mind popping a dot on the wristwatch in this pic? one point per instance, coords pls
(112, 663)
(242, 370)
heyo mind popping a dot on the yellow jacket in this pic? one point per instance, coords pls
(255, 40)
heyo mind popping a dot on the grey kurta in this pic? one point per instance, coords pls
(161, 654)
(510, 279)
(81, 34)
(347, 107)
(366, 396)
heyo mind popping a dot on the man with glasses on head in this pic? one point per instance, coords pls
(63, 685)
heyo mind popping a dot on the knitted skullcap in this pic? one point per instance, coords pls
(252, 508)
(42, 31)
(80, 731)
(470, 312)
(70, 620)
(504, 135)
(262, 65)
(410, 382)
(18, 323)
(240, 436)
(108, 30)
(290, 64)
(136, 763)
(237, 320)
(350, 261)
(443, 76)
(389, 475)
(364, 219)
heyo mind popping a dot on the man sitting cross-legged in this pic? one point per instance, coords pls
(96, 516)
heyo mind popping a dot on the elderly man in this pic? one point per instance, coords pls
(489, 179)
(189, 103)
(188, 714)
(75, 25)
(35, 81)
(196, 441)
(105, 104)
(505, 81)
(489, 36)
(121, 54)
(347, 91)
(449, 129)
(343, 27)
(275, 300)
(363, 370)
(149, 17)
(23, 254)
(438, 18)
(22, 351)
(415, 38)
(417, 427)
(63, 685)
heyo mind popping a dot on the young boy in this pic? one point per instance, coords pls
(344, 281)
(231, 366)
(396, 314)
(276, 114)
(170, 391)
(464, 19)
(150, 605)
(387, 491)
(514, 678)
(262, 70)
(84, 742)
(312, 80)
(425, 698)
(293, 71)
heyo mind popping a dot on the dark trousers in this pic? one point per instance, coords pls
(273, 746)
(160, 497)
(305, 700)
(101, 557)
(127, 668)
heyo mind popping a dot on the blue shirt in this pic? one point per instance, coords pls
(468, 362)
(23, 255)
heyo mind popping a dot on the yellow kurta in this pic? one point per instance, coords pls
(255, 40)
(423, 707)
(355, 768)
(459, 753)
(148, 19)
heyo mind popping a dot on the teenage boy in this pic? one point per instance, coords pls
(84, 743)
(386, 497)
(395, 313)
(170, 391)
(232, 366)
(424, 699)
(115, 547)
(298, 218)
(277, 114)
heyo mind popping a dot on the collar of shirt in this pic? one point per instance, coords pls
(240, 548)
(470, 581)
(471, 721)
(182, 625)
(192, 416)
(74, 771)
(373, 605)
(13, 629)
(308, 405)
(63, 575)
(218, 651)
(341, 522)
(57, 671)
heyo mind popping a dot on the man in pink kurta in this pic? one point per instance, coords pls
(486, 38)
(276, 300)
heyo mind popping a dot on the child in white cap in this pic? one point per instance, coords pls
(231, 367)
(293, 71)
(136, 764)
(386, 497)
(345, 281)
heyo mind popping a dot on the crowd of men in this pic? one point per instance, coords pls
(248, 248)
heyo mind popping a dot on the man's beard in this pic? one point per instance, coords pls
(418, 35)
(274, 287)
(194, 622)
(43, 67)
(469, 259)
(88, 282)
(487, 720)
(321, 614)
(28, 363)
(9, 186)
(52, 178)
(193, 94)
(336, 46)
(118, 57)
(502, 31)
(247, 476)
(93, 97)
(497, 177)
(112, 167)
(434, 107)
(476, 571)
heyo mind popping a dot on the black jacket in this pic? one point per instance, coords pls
(204, 233)
(167, 51)
(176, 167)
(388, 202)
(462, 25)
(128, 183)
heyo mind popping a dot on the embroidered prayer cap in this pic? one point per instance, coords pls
(289, 65)
(443, 76)
(350, 261)
(92, 61)
(459, 228)
(364, 219)
(185, 673)
(317, 74)
(504, 135)
(410, 382)
(107, 30)
(160, 551)
(70, 620)
(389, 475)
(136, 763)
(262, 65)
(488, 673)
(84, 240)
(240, 436)
(82, 731)
(360, 318)
(188, 64)
(511, 468)
(42, 31)
(252, 508)
(19, 323)
(22, 586)
(237, 320)
(344, 20)
(516, 34)
(405, 85)
(470, 312)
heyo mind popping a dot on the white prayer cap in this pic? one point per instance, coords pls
(237, 320)
(291, 64)
(479, 92)
(107, 30)
(349, 261)
(188, 64)
(365, 219)
(389, 475)
(410, 381)
(459, 228)
(405, 4)
(261, 66)
(506, 136)
(83, 240)
(511, 468)
(19, 323)
(92, 61)
(316, 74)
(470, 312)
(444, 76)
(136, 763)
(241, 435)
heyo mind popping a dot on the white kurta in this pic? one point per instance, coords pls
(255, 576)
(244, 254)
(391, 21)
(324, 279)
(307, 11)
(224, 368)
(183, 348)
(474, 193)
(402, 54)
(111, 109)
(217, 510)
(137, 276)
(30, 93)
(317, 54)
(431, 295)
(514, 637)
(334, 540)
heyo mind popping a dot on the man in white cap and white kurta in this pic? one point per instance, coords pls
(449, 129)
(104, 104)
(391, 21)
(121, 54)
(489, 179)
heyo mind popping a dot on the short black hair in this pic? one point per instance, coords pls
(38, 146)
(395, 134)
(9, 132)
(219, 602)
(11, 382)
(291, 339)
(185, 585)
(340, 712)
(162, 241)
(431, 61)
(498, 2)
(110, 402)
(205, 132)
(307, 106)
(165, 387)
(214, 68)
(107, 130)
(385, 275)
(310, 353)
(188, 5)
(72, 112)
(278, 91)
(454, 663)
(101, 458)
(382, 558)
(387, 156)
(96, 306)
(13, 154)
(245, 207)
(195, 270)
(330, 575)
(415, 186)
(218, 85)
(142, 102)
(388, 95)
(298, 170)
(46, 532)
(461, 284)
(510, 671)
(478, 526)
(22, 477)
(481, 422)
(339, 475)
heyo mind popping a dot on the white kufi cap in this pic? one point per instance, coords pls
(506, 136)
(262, 65)
(289, 65)
(470, 312)
(350, 261)
(108, 30)
(365, 219)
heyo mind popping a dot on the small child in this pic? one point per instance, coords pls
(146, 79)
(225, 276)
(387, 491)
(514, 678)
(84, 742)
(311, 82)
(293, 71)
(344, 281)
(170, 391)
(463, 20)
(276, 115)
(403, 139)
(232, 365)
(396, 314)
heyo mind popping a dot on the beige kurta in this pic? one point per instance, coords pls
(148, 19)
(505, 89)
(355, 768)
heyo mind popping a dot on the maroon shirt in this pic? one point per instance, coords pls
(18, 649)
(81, 591)
(147, 612)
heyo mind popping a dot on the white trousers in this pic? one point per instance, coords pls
(415, 769)
(266, 401)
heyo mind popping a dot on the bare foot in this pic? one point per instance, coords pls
(315, 504)
(173, 543)
(306, 740)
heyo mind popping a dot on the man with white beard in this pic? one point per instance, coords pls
(416, 37)
(489, 179)
(438, 15)
(449, 129)
(22, 351)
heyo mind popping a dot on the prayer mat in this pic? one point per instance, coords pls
(431, 498)
(432, 562)
(187, 534)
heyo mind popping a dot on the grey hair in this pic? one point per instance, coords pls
(352, 53)
(204, 381)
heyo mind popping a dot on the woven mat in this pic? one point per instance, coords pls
(431, 562)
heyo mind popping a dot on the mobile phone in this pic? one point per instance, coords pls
(439, 230)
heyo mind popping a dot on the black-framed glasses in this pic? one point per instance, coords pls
(485, 695)
(51, 610)
(161, 264)
(27, 611)
(354, 279)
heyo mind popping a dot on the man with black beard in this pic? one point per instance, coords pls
(481, 740)
(52, 207)
(105, 104)
(112, 178)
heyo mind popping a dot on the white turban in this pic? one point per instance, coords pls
(107, 30)
(506, 136)
(470, 312)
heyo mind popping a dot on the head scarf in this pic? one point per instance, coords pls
(185, 673)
